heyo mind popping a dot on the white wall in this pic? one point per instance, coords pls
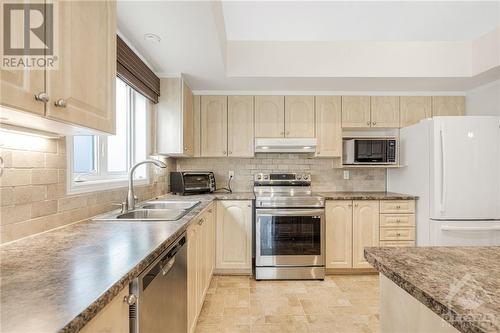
(484, 100)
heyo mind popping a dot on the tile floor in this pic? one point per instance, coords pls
(341, 303)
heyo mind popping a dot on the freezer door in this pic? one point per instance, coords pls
(465, 233)
(465, 170)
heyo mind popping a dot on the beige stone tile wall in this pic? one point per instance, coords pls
(33, 188)
(324, 176)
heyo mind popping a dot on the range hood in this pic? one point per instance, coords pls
(285, 145)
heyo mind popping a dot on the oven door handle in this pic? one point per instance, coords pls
(290, 212)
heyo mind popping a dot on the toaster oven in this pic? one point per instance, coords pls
(192, 182)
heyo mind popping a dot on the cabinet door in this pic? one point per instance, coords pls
(192, 275)
(269, 116)
(210, 244)
(19, 87)
(385, 111)
(187, 120)
(240, 126)
(338, 238)
(328, 126)
(365, 229)
(299, 116)
(201, 261)
(356, 111)
(85, 79)
(213, 116)
(448, 105)
(414, 108)
(234, 235)
(112, 319)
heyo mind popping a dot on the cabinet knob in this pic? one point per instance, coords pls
(282, 133)
(374, 123)
(60, 103)
(210, 210)
(201, 221)
(186, 148)
(224, 152)
(356, 205)
(398, 206)
(130, 299)
(230, 152)
(287, 132)
(42, 97)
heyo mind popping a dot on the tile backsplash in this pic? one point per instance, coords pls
(33, 188)
(324, 176)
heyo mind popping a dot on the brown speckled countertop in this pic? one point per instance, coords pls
(57, 281)
(460, 284)
(365, 196)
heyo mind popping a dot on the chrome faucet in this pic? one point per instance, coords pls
(130, 195)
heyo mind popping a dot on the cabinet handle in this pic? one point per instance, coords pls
(42, 97)
(60, 103)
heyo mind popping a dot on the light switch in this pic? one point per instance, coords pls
(347, 174)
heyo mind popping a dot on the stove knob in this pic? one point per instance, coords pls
(306, 177)
(266, 176)
(259, 177)
(299, 177)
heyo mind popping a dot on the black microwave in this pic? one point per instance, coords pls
(192, 182)
(370, 151)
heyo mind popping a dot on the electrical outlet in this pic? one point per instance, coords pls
(347, 174)
(231, 174)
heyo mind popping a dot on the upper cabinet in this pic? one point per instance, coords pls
(269, 116)
(448, 105)
(414, 108)
(175, 118)
(240, 126)
(299, 116)
(80, 91)
(328, 126)
(385, 111)
(213, 119)
(356, 111)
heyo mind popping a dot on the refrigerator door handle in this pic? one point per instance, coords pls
(443, 171)
(449, 228)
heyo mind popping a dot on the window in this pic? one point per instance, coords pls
(104, 161)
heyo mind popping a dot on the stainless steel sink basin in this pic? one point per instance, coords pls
(171, 204)
(153, 211)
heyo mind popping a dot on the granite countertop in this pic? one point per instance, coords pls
(365, 196)
(460, 284)
(58, 280)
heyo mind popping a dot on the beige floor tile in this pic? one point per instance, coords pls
(346, 304)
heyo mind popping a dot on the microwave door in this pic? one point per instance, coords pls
(370, 151)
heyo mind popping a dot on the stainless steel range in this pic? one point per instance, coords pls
(289, 228)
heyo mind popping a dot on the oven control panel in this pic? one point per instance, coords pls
(282, 177)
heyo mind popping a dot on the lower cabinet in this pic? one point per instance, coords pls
(353, 225)
(113, 318)
(200, 262)
(234, 236)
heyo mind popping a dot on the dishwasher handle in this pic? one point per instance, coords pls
(165, 268)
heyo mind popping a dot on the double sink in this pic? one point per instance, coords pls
(164, 210)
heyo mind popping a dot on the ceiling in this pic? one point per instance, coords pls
(224, 46)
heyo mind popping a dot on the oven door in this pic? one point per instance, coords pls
(289, 237)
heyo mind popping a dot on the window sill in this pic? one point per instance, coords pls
(101, 185)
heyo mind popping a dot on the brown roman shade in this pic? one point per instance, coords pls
(131, 69)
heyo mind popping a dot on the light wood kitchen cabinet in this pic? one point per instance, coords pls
(448, 106)
(82, 89)
(197, 126)
(414, 108)
(365, 229)
(113, 318)
(384, 111)
(356, 111)
(397, 223)
(19, 87)
(213, 119)
(200, 262)
(269, 116)
(397, 206)
(328, 126)
(338, 238)
(234, 236)
(240, 130)
(175, 118)
(299, 117)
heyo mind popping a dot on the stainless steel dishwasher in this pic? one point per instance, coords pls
(161, 290)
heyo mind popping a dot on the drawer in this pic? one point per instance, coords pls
(397, 243)
(390, 234)
(397, 206)
(395, 220)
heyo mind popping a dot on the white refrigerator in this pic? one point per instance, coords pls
(453, 165)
